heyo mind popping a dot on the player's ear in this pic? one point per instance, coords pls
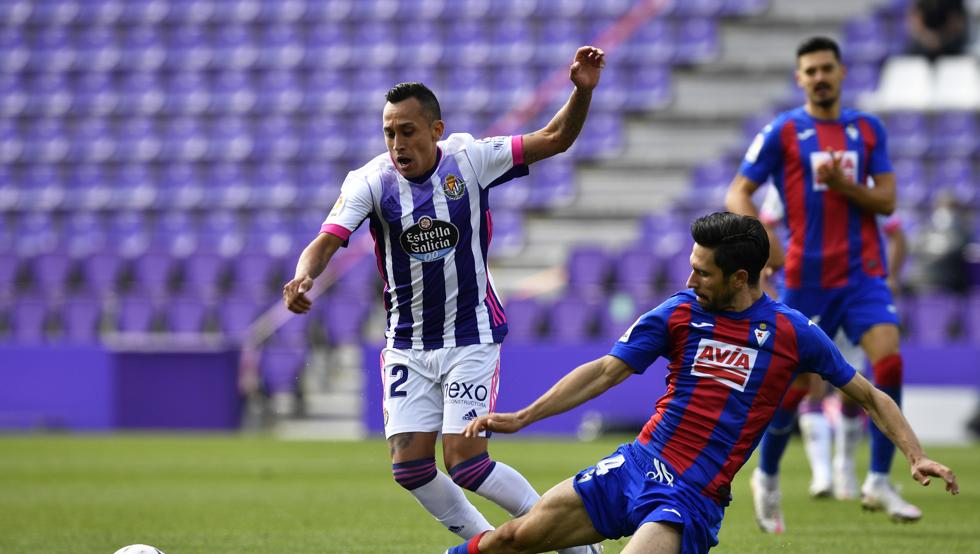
(739, 279)
(437, 128)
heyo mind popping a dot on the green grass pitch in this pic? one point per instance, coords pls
(202, 493)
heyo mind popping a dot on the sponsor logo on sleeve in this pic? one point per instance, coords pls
(752, 154)
(726, 363)
(338, 206)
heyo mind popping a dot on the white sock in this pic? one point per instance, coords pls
(448, 504)
(507, 488)
(849, 433)
(817, 441)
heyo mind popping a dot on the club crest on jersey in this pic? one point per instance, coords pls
(429, 239)
(453, 187)
(728, 364)
(852, 132)
(761, 334)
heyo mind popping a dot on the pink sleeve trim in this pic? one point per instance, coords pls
(891, 225)
(335, 229)
(517, 149)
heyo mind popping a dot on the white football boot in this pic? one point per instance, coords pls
(878, 493)
(767, 499)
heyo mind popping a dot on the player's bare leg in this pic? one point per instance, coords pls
(880, 343)
(655, 538)
(850, 430)
(557, 521)
(471, 467)
(414, 467)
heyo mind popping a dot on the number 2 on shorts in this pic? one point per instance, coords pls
(393, 392)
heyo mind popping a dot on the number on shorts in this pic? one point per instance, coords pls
(393, 392)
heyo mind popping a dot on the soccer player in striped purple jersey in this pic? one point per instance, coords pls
(426, 201)
(732, 352)
(822, 159)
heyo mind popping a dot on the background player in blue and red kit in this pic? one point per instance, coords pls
(820, 158)
(732, 352)
(427, 204)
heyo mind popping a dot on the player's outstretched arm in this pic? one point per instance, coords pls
(888, 417)
(311, 264)
(738, 199)
(560, 133)
(584, 383)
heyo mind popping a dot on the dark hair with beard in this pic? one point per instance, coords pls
(404, 91)
(817, 44)
(738, 241)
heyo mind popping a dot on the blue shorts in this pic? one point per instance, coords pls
(628, 488)
(856, 307)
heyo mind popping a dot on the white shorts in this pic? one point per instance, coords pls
(438, 390)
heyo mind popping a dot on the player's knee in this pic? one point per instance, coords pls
(470, 474)
(413, 474)
(516, 535)
(888, 371)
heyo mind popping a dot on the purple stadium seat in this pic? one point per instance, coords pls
(524, 319)
(227, 186)
(96, 48)
(934, 315)
(955, 134)
(744, 7)
(50, 49)
(152, 274)
(185, 12)
(84, 233)
(572, 319)
(556, 37)
(957, 175)
(229, 139)
(971, 317)
(908, 134)
(94, 95)
(865, 40)
(377, 40)
(9, 269)
(142, 48)
(80, 319)
(508, 232)
(13, 97)
(46, 142)
(187, 93)
(188, 49)
(135, 314)
(101, 272)
(235, 47)
(50, 271)
(36, 234)
(603, 138)
(284, 11)
(235, 314)
(274, 184)
(91, 140)
(421, 45)
(15, 12)
(136, 140)
(186, 315)
(280, 46)
(143, 12)
(276, 138)
(232, 93)
(649, 87)
(183, 140)
(140, 93)
(344, 318)
(329, 45)
(588, 268)
(653, 43)
(697, 38)
(28, 319)
(913, 186)
(278, 91)
(281, 368)
(637, 270)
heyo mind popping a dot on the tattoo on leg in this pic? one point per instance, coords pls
(400, 441)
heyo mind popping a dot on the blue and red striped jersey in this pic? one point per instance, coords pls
(831, 240)
(727, 373)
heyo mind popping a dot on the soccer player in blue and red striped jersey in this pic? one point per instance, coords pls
(732, 352)
(426, 201)
(831, 168)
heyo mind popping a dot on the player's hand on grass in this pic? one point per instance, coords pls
(924, 468)
(586, 67)
(498, 423)
(294, 295)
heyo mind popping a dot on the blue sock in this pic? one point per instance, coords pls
(882, 449)
(775, 440)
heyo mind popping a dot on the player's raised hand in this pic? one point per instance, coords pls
(831, 173)
(498, 423)
(294, 295)
(925, 467)
(586, 66)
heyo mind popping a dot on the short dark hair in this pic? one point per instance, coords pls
(817, 44)
(738, 241)
(404, 91)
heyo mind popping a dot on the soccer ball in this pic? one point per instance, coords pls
(139, 549)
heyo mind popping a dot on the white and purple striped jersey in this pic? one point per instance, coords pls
(431, 236)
